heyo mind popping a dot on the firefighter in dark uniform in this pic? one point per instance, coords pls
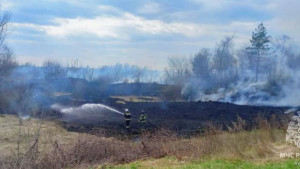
(143, 120)
(127, 116)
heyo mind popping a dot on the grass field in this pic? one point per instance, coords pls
(58, 148)
(171, 163)
(11, 130)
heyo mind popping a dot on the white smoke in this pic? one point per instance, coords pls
(277, 85)
(290, 110)
(24, 117)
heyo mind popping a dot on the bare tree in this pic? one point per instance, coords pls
(201, 64)
(73, 65)
(73, 68)
(117, 72)
(7, 64)
(53, 70)
(178, 70)
(224, 58)
(4, 19)
(7, 61)
(137, 75)
(177, 73)
(224, 63)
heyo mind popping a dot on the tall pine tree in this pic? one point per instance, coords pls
(259, 44)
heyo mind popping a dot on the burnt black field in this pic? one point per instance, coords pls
(182, 117)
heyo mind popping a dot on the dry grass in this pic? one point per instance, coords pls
(48, 131)
(138, 98)
(58, 148)
(257, 145)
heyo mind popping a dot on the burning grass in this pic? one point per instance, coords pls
(56, 148)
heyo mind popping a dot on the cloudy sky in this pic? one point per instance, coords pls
(142, 32)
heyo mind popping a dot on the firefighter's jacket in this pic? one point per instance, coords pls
(143, 118)
(127, 116)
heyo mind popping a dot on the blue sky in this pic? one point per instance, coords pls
(142, 32)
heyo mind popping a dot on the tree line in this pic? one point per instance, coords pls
(265, 59)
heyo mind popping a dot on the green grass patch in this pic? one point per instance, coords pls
(168, 163)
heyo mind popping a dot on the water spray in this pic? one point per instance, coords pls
(88, 108)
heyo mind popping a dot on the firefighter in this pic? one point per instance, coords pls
(143, 120)
(127, 116)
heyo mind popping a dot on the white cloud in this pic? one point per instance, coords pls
(6, 5)
(115, 27)
(288, 11)
(127, 25)
(108, 8)
(150, 8)
(118, 44)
